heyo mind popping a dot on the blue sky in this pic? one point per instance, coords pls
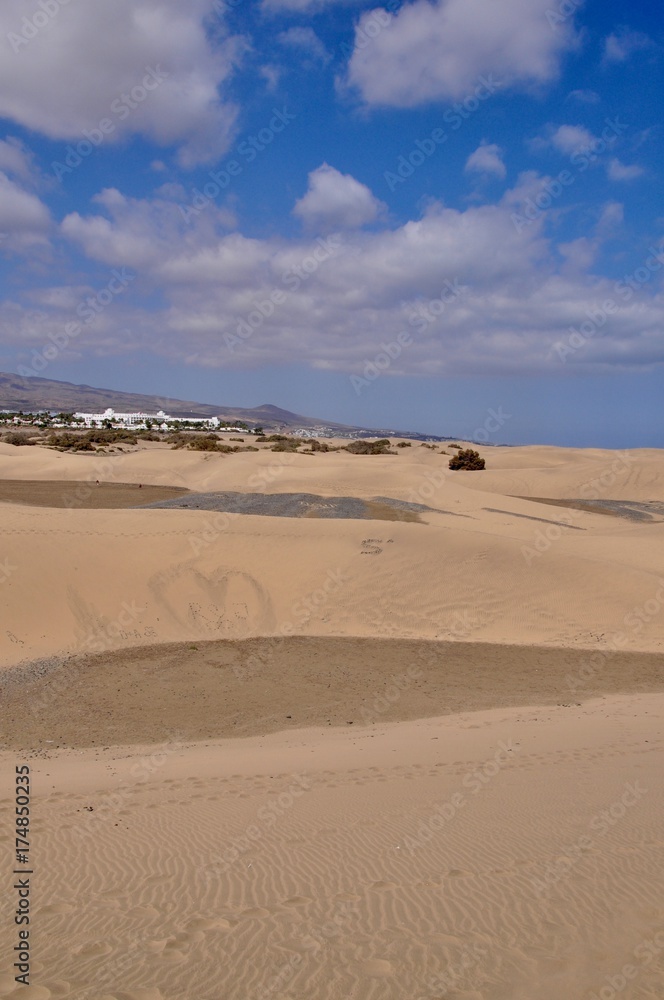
(415, 215)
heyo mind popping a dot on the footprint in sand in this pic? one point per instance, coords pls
(297, 901)
(383, 885)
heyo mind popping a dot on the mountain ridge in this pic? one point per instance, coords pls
(35, 393)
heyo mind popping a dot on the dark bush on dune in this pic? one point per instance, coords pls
(17, 439)
(280, 442)
(361, 447)
(468, 459)
(70, 442)
(208, 442)
(112, 436)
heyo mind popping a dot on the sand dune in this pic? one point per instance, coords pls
(488, 567)
(502, 855)
(277, 758)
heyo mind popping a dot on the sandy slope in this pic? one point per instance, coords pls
(446, 844)
(488, 567)
(502, 855)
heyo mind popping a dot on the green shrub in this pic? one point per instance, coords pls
(362, 447)
(17, 439)
(404, 444)
(111, 436)
(286, 445)
(207, 442)
(468, 459)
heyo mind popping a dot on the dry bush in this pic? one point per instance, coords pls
(467, 459)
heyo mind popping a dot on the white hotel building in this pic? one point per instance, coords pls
(138, 420)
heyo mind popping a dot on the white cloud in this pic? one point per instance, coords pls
(619, 46)
(271, 75)
(487, 159)
(148, 66)
(579, 254)
(571, 138)
(24, 219)
(438, 51)
(518, 293)
(16, 159)
(337, 201)
(612, 216)
(302, 6)
(306, 40)
(618, 171)
(585, 96)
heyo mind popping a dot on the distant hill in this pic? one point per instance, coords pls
(34, 394)
(31, 394)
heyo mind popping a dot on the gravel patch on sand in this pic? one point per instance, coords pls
(299, 505)
(643, 511)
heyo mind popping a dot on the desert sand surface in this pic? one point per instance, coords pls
(301, 757)
(499, 855)
(484, 565)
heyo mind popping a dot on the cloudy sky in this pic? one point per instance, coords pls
(416, 215)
